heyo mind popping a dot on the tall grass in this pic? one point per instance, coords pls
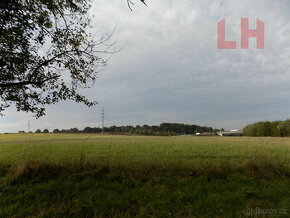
(91, 175)
(156, 155)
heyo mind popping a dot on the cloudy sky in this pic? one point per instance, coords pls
(170, 70)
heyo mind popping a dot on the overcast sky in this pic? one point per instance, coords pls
(170, 70)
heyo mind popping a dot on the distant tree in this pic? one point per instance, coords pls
(276, 128)
(88, 130)
(45, 131)
(56, 131)
(73, 130)
(267, 130)
(38, 131)
(283, 128)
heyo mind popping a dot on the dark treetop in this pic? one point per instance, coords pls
(47, 53)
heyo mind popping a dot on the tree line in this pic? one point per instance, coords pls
(164, 129)
(267, 128)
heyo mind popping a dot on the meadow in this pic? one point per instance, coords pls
(95, 175)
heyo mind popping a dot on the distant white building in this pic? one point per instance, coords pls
(233, 132)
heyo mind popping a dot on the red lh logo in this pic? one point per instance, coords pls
(246, 33)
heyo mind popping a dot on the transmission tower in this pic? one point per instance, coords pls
(28, 127)
(103, 119)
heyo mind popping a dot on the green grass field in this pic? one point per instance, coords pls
(91, 175)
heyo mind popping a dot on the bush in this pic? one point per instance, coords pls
(276, 128)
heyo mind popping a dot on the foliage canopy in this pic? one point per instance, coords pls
(47, 53)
